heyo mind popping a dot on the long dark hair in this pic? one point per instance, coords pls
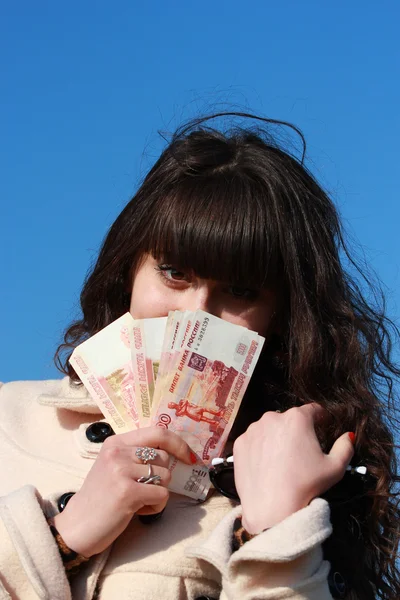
(235, 206)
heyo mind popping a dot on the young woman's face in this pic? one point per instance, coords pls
(159, 288)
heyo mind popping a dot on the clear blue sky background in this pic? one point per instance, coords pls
(86, 85)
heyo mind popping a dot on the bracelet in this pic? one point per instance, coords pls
(71, 559)
(240, 535)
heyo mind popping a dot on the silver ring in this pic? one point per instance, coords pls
(145, 478)
(145, 454)
(155, 480)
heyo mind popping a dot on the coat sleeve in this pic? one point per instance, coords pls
(285, 561)
(30, 563)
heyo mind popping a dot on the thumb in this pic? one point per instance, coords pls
(342, 451)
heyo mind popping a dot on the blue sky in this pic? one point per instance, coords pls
(85, 86)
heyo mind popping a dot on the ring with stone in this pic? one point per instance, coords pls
(145, 454)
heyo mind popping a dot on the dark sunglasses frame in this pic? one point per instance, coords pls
(218, 476)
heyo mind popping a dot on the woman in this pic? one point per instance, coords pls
(234, 225)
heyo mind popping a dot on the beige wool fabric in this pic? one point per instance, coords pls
(186, 554)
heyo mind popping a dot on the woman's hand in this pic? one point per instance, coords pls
(110, 495)
(280, 466)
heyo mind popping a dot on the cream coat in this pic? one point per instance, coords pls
(186, 554)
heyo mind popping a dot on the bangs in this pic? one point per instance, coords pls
(192, 228)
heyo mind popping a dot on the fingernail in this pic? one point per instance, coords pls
(193, 458)
(352, 437)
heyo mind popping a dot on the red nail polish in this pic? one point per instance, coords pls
(352, 437)
(193, 458)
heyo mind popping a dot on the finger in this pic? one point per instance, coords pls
(342, 451)
(156, 509)
(157, 437)
(315, 411)
(162, 459)
(154, 496)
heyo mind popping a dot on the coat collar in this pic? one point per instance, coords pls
(71, 397)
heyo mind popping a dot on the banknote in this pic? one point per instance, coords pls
(104, 365)
(168, 336)
(171, 330)
(178, 329)
(146, 339)
(188, 480)
(173, 339)
(184, 322)
(187, 373)
(207, 383)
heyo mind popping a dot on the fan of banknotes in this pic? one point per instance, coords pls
(186, 372)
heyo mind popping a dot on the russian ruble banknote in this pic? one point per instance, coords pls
(170, 338)
(146, 340)
(104, 365)
(187, 373)
(205, 386)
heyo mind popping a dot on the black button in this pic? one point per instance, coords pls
(204, 598)
(149, 519)
(98, 432)
(63, 500)
(337, 585)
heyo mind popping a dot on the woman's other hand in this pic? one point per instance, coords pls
(280, 466)
(110, 495)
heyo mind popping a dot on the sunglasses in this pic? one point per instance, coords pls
(222, 477)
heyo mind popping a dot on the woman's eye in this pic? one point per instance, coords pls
(172, 274)
(243, 293)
